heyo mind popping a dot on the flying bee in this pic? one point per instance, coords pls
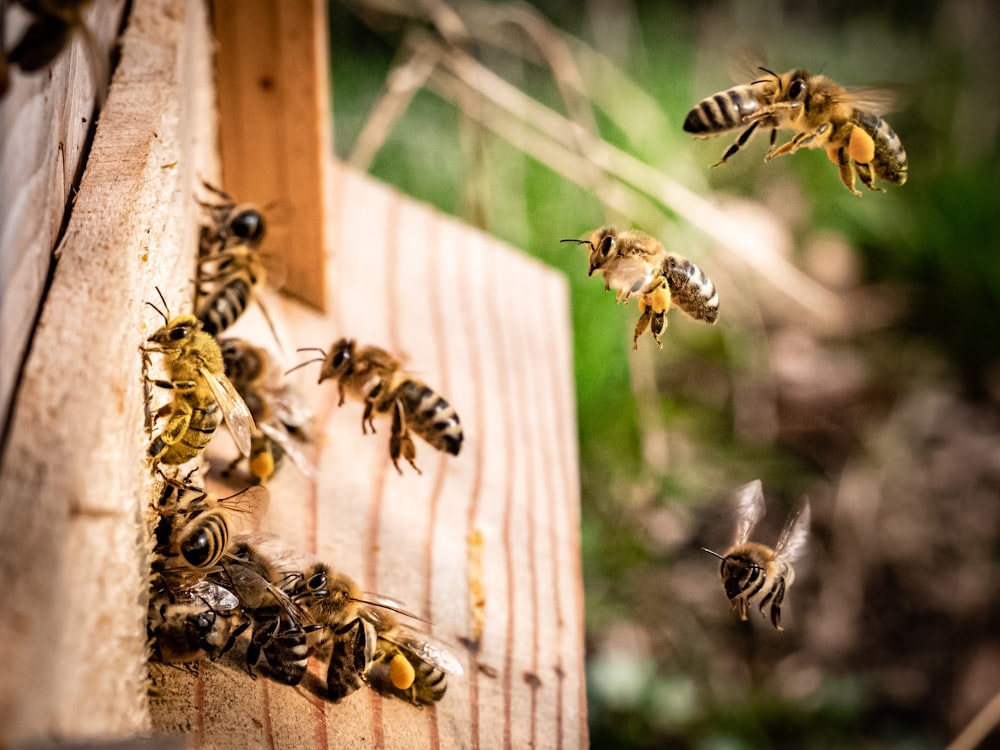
(411, 668)
(822, 114)
(195, 526)
(193, 623)
(373, 376)
(283, 420)
(751, 568)
(202, 394)
(634, 263)
(53, 24)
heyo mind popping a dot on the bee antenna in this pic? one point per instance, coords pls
(712, 552)
(303, 364)
(581, 242)
(166, 307)
(311, 349)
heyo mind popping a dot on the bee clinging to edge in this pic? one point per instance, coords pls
(821, 114)
(202, 394)
(750, 568)
(372, 375)
(634, 263)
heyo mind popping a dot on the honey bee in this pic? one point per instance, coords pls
(373, 376)
(282, 418)
(750, 568)
(822, 114)
(353, 623)
(634, 263)
(202, 392)
(411, 668)
(193, 623)
(195, 526)
(229, 224)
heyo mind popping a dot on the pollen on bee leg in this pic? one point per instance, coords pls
(861, 146)
(401, 672)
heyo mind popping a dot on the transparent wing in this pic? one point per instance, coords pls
(794, 536)
(426, 649)
(248, 504)
(215, 596)
(290, 446)
(876, 99)
(749, 510)
(235, 411)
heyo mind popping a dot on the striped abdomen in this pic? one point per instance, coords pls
(223, 306)
(430, 416)
(722, 111)
(203, 540)
(204, 420)
(889, 162)
(691, 290)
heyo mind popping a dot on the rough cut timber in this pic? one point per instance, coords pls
(46, 122)
(272, 79)
(74, 476)
(488, 328)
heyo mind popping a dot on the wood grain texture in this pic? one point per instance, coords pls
(272, 75)
(488, 328)
(74, 478)
(46, 121)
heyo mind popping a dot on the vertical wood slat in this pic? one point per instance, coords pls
(272, 79)
(46, 119)
(75, 477)
(488, 328)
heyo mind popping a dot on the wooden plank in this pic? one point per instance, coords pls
(46, 122)
(272, 75)
(74, 478)
(488, 328)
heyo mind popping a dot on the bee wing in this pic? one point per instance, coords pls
(876, 99)
(235, 411)
(749, 510)
(288, 444)
(794, 536)
(250, 503)
(425, 649)
(217, 597)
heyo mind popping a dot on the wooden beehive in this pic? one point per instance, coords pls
(487, 539)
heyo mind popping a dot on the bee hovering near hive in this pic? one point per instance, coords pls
(372, 375)
(634, 263)
(750, 568)
(202, 394)
(822, 114)
(282, 418)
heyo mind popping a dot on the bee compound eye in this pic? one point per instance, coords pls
(202, 622)
(179, 332)
(797, 89)
(317, 582)
(248, 225)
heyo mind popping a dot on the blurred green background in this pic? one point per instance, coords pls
(855, 362)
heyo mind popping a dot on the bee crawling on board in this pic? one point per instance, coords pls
(202, 394)
(749, 569)
(635, 263)
(281, 415)
(821, 114)
(376, 378)
(188, 623)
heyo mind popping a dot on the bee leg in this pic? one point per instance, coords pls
(659, 323)
(175, 428)
(643, 323)
(400, 442)
(865, 173)
(846, 170)
(366, 418)
(740, 142)
(779, 598)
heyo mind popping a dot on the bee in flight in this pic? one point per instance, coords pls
(750, 569)
(373, 376)
(821, 114)
(282, 418)
(634, 263)
(195, 527)
(202, 394)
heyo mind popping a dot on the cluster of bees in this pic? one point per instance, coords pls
(211, 584)
(821, 114)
